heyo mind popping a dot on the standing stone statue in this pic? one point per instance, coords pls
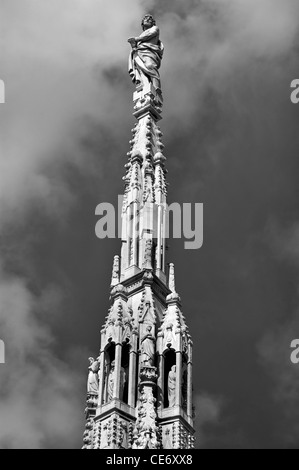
(110, 384)
(171, 386)
(146, 55)
(168, 335)
(122, 383)
(111, 379)
(147, 263)
(93, 380)
(115, 271)
(126, 331)
(148, 348)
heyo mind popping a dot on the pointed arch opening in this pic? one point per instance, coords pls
(125, 362)
(109, 380)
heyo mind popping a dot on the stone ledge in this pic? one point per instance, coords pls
(167, 415)
(116, 406)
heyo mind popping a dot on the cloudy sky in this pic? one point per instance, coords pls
(231, 137)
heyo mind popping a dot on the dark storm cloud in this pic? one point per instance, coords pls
(236, 145)
(56, 129)
(231, 138)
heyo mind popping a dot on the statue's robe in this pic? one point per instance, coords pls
(148, 349)
(171, 388)
(145, 59)
(92, 382)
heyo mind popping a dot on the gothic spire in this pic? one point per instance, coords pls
(142, 376)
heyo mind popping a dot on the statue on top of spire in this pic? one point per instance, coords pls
(146, 55)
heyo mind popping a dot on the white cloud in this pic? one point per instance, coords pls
(40, 394)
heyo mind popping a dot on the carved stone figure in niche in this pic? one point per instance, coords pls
(146, 311)
(110, 330)
(122, 383)
(171, 386)
(110, 384)
(123, 437)
(146, 55)
(147, 195)
(93, 380)
(148, 254)
(127, 331)
(168, 335)
(148, 348)
(115, 271)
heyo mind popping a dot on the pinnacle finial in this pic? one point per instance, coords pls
(115, 271)
(171, 280)
(144, 64)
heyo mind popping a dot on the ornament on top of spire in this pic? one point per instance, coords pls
(173, 323)
(144, 64)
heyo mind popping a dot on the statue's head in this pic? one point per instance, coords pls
(147, 22)
(112, 364)
(91, 360)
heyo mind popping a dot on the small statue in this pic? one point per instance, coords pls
(146, 55)
(111, 379)
(148, 254)
(148, 348)
(115, 271)
(168, 335)
(110, 331)
(93, 378)
(126, 331)
(171, 281)
(171, 386)
(122, 383)
(110, 384)
(148, 197)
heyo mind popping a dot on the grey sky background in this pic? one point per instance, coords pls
(231, 137)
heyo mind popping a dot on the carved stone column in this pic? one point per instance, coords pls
(146, 433)
(102, 378)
